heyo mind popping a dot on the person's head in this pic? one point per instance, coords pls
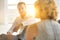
(21, 8)
(46, 9)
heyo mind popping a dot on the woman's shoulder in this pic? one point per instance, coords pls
(32, 28)
(55, 23)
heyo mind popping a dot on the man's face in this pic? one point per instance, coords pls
(21, 8)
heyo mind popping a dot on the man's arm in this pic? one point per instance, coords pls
(15, 26)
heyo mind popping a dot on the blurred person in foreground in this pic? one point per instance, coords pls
(48, 28)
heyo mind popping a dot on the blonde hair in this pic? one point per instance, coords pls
(48, 7)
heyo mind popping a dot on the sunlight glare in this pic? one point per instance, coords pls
(30, 10)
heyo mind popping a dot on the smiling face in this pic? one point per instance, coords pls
(22, 9)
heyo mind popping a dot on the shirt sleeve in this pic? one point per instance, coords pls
(14, 25)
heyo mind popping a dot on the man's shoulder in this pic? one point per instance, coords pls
(17, 18)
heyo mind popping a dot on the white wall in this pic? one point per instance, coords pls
(1, 11)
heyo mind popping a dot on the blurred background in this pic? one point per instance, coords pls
(8, 12)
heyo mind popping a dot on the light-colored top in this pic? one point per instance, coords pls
(48, 30)
(23, 23)
(18, 21)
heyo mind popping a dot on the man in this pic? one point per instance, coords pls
(19, 25)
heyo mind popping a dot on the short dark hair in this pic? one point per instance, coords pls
(21, 3)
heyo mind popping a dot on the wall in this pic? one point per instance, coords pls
(1, 11)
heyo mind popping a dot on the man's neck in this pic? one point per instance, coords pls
(22, 17)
